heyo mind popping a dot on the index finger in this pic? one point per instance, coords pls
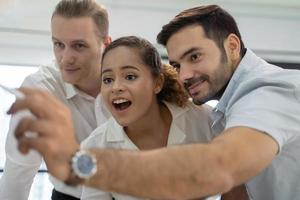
(38, 101)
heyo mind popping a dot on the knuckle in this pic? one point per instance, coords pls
(52, 148)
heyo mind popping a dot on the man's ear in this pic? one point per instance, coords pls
(107, 41)
(233, 47)
(159, 83)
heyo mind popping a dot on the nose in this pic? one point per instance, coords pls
(117, 87)
(67, 56)
(185, 73)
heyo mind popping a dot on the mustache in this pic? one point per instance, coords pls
(189, 82)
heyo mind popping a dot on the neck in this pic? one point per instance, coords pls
(151, 131)
(91, 88)
(235, 64)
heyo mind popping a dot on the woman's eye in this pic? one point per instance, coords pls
(131, 77)
(107, 80)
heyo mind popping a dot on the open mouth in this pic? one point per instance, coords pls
(121, 104)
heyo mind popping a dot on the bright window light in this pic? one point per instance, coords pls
(13, 76)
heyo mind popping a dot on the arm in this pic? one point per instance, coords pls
(22, 168)
(19, 170)
(16, 176)
(203, 169)
(97, 139)
(186, 171)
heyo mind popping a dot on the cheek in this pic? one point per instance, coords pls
(95, 55)
(105, 96)
(146, 93)
(57, 55)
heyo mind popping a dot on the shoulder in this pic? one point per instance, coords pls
(45, 76)
(268, 103)
(194, 122)
(98, 137)
(201, 111)
(190, 113)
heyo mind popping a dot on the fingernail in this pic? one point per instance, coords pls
(9, 112)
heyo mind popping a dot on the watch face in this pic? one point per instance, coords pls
(84, 164)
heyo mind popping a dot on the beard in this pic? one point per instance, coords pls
(217, 83)
(188, 83)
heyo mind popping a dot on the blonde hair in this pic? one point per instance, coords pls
(84, 8)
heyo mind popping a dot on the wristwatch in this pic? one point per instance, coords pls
(83, 166)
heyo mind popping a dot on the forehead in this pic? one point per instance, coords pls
(191, 36)
(73, 28)
(122, 56)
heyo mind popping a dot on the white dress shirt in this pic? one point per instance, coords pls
(87, 113)
(191, 124)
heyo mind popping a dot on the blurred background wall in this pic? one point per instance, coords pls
(270, 27)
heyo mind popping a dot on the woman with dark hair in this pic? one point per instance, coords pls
(150, 109)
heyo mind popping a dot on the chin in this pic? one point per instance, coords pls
(72, 81)
(200, 100)
(124, 124)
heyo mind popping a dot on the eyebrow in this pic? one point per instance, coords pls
(54, 38)
(73, 41)
(123, 68)
(188, 52)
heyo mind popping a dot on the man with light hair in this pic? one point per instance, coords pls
(79, 34)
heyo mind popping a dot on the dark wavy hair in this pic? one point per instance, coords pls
(171, 91)
(215, 21)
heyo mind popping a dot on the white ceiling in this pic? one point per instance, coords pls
(268, 26)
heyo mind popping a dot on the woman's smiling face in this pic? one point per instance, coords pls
(128, 87)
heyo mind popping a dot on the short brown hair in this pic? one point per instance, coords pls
(84, 8)
(215, 21)
(171, 91)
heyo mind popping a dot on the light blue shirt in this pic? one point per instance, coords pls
(267, 98)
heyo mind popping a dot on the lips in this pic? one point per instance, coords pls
(121, 104)
(193, 89)
(71, 69)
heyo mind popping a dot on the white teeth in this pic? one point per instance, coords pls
(118, 101)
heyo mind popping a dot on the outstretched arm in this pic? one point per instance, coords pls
(179, 172)
(186, 171)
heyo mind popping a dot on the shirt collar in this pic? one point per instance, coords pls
(115, 132)
(69, 90)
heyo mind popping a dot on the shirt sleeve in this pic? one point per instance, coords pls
(16, 180)
(271, 109)
(19, 169)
